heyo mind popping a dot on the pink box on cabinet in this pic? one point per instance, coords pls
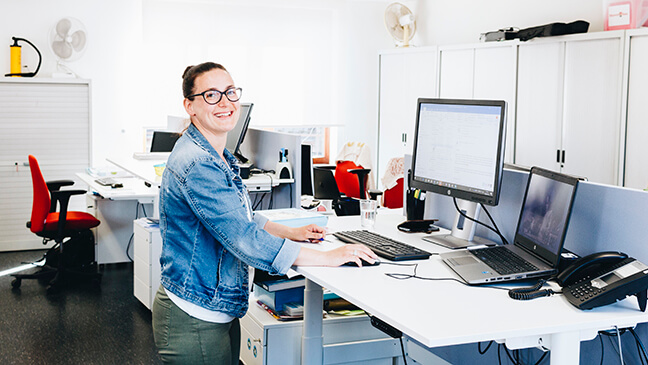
(625, 14)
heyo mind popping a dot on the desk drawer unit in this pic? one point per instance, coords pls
(146, 261)
(267, 341)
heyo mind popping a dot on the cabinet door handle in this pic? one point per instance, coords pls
(563, 156)
(558, 156)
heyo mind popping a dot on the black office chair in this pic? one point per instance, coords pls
(326, 188)
(66, 259)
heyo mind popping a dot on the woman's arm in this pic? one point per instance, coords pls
(311, 257)
(336, 257)
(310, 232)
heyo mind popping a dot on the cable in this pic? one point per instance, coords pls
(620, 348)
(454, 200)
(532, 292)
(482, 352)
(602, 347)
(403, 351)
(499, 233)
(639, 343)
(401, 276)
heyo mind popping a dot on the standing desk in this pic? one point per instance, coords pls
(442, 313)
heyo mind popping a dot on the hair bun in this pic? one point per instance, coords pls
(186, 71)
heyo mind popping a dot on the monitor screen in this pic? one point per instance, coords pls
(236, 136)
(306, 170)
(459, 148)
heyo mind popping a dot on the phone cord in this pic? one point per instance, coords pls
(531, 292)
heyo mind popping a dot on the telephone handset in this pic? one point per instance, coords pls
(603, 278)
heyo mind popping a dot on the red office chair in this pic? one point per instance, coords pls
(393, 198)
(351, 179)
(73, 257)
(393, 180)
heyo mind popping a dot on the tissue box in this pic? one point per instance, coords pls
(625, 14)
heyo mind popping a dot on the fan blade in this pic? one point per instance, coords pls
(63, 27)
(62, 49)
(78, 40)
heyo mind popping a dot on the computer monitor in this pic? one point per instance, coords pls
(306, 170)
(459, 152)
(236, 136)
(163, 141)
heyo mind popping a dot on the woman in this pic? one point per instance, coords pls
(209, 238)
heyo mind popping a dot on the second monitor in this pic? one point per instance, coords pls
(459, 152)
(236, 136)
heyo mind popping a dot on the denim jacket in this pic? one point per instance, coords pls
(208, 238)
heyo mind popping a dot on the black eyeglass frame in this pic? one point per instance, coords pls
(221, 93)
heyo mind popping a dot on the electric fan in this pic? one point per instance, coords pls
(400, 23)
(68, 41)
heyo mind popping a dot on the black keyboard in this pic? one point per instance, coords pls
(383, 246)
(503, 260)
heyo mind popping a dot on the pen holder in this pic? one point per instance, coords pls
(284, 170)
(414, 207)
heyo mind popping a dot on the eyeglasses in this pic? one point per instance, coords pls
(212, 97)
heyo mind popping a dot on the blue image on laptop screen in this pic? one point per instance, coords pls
(544, 216)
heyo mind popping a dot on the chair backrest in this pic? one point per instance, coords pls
(393, 197)
(347, 182)
(41, 197)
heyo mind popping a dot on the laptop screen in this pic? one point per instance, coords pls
(545, 213)
(163, 141)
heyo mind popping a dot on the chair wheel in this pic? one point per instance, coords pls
(15, 283)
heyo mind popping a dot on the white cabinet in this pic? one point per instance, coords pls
(405, 76)
(569, 114)
(49, 119)
(636, 148)
(481, 71)
(146, 261)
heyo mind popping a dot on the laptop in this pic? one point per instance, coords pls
(161, 146)
(539, 237)
(164, 141)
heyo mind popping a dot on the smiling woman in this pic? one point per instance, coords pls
(209, 238)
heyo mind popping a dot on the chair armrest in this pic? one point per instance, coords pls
(359, 171)
(63, 197)
(55, 185)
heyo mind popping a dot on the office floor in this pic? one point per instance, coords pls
(81, 325)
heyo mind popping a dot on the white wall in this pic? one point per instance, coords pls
(443, 22)
(110, 59)
(130, 91)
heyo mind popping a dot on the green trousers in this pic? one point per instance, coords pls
(182, 339)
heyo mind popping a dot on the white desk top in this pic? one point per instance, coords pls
(133, 188)
(440, 313)
(144, 170)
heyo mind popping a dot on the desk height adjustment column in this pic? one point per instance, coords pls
(312, 337)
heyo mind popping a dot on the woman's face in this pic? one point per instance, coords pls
(219, 118)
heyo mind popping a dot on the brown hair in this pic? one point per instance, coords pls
(192, 72)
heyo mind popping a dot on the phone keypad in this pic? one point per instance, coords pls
(585, 291)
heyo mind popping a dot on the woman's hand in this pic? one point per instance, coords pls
(341, 255)
(311, 232)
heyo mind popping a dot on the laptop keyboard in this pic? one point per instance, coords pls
(383, 246)
(503, 260)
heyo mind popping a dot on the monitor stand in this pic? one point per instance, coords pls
(463, 230)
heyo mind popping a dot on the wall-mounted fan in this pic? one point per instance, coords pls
(400, 23)
(67, 40)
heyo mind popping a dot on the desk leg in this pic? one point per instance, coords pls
(312, 338)
(565, 348)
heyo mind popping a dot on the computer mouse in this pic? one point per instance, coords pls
(364, 263)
